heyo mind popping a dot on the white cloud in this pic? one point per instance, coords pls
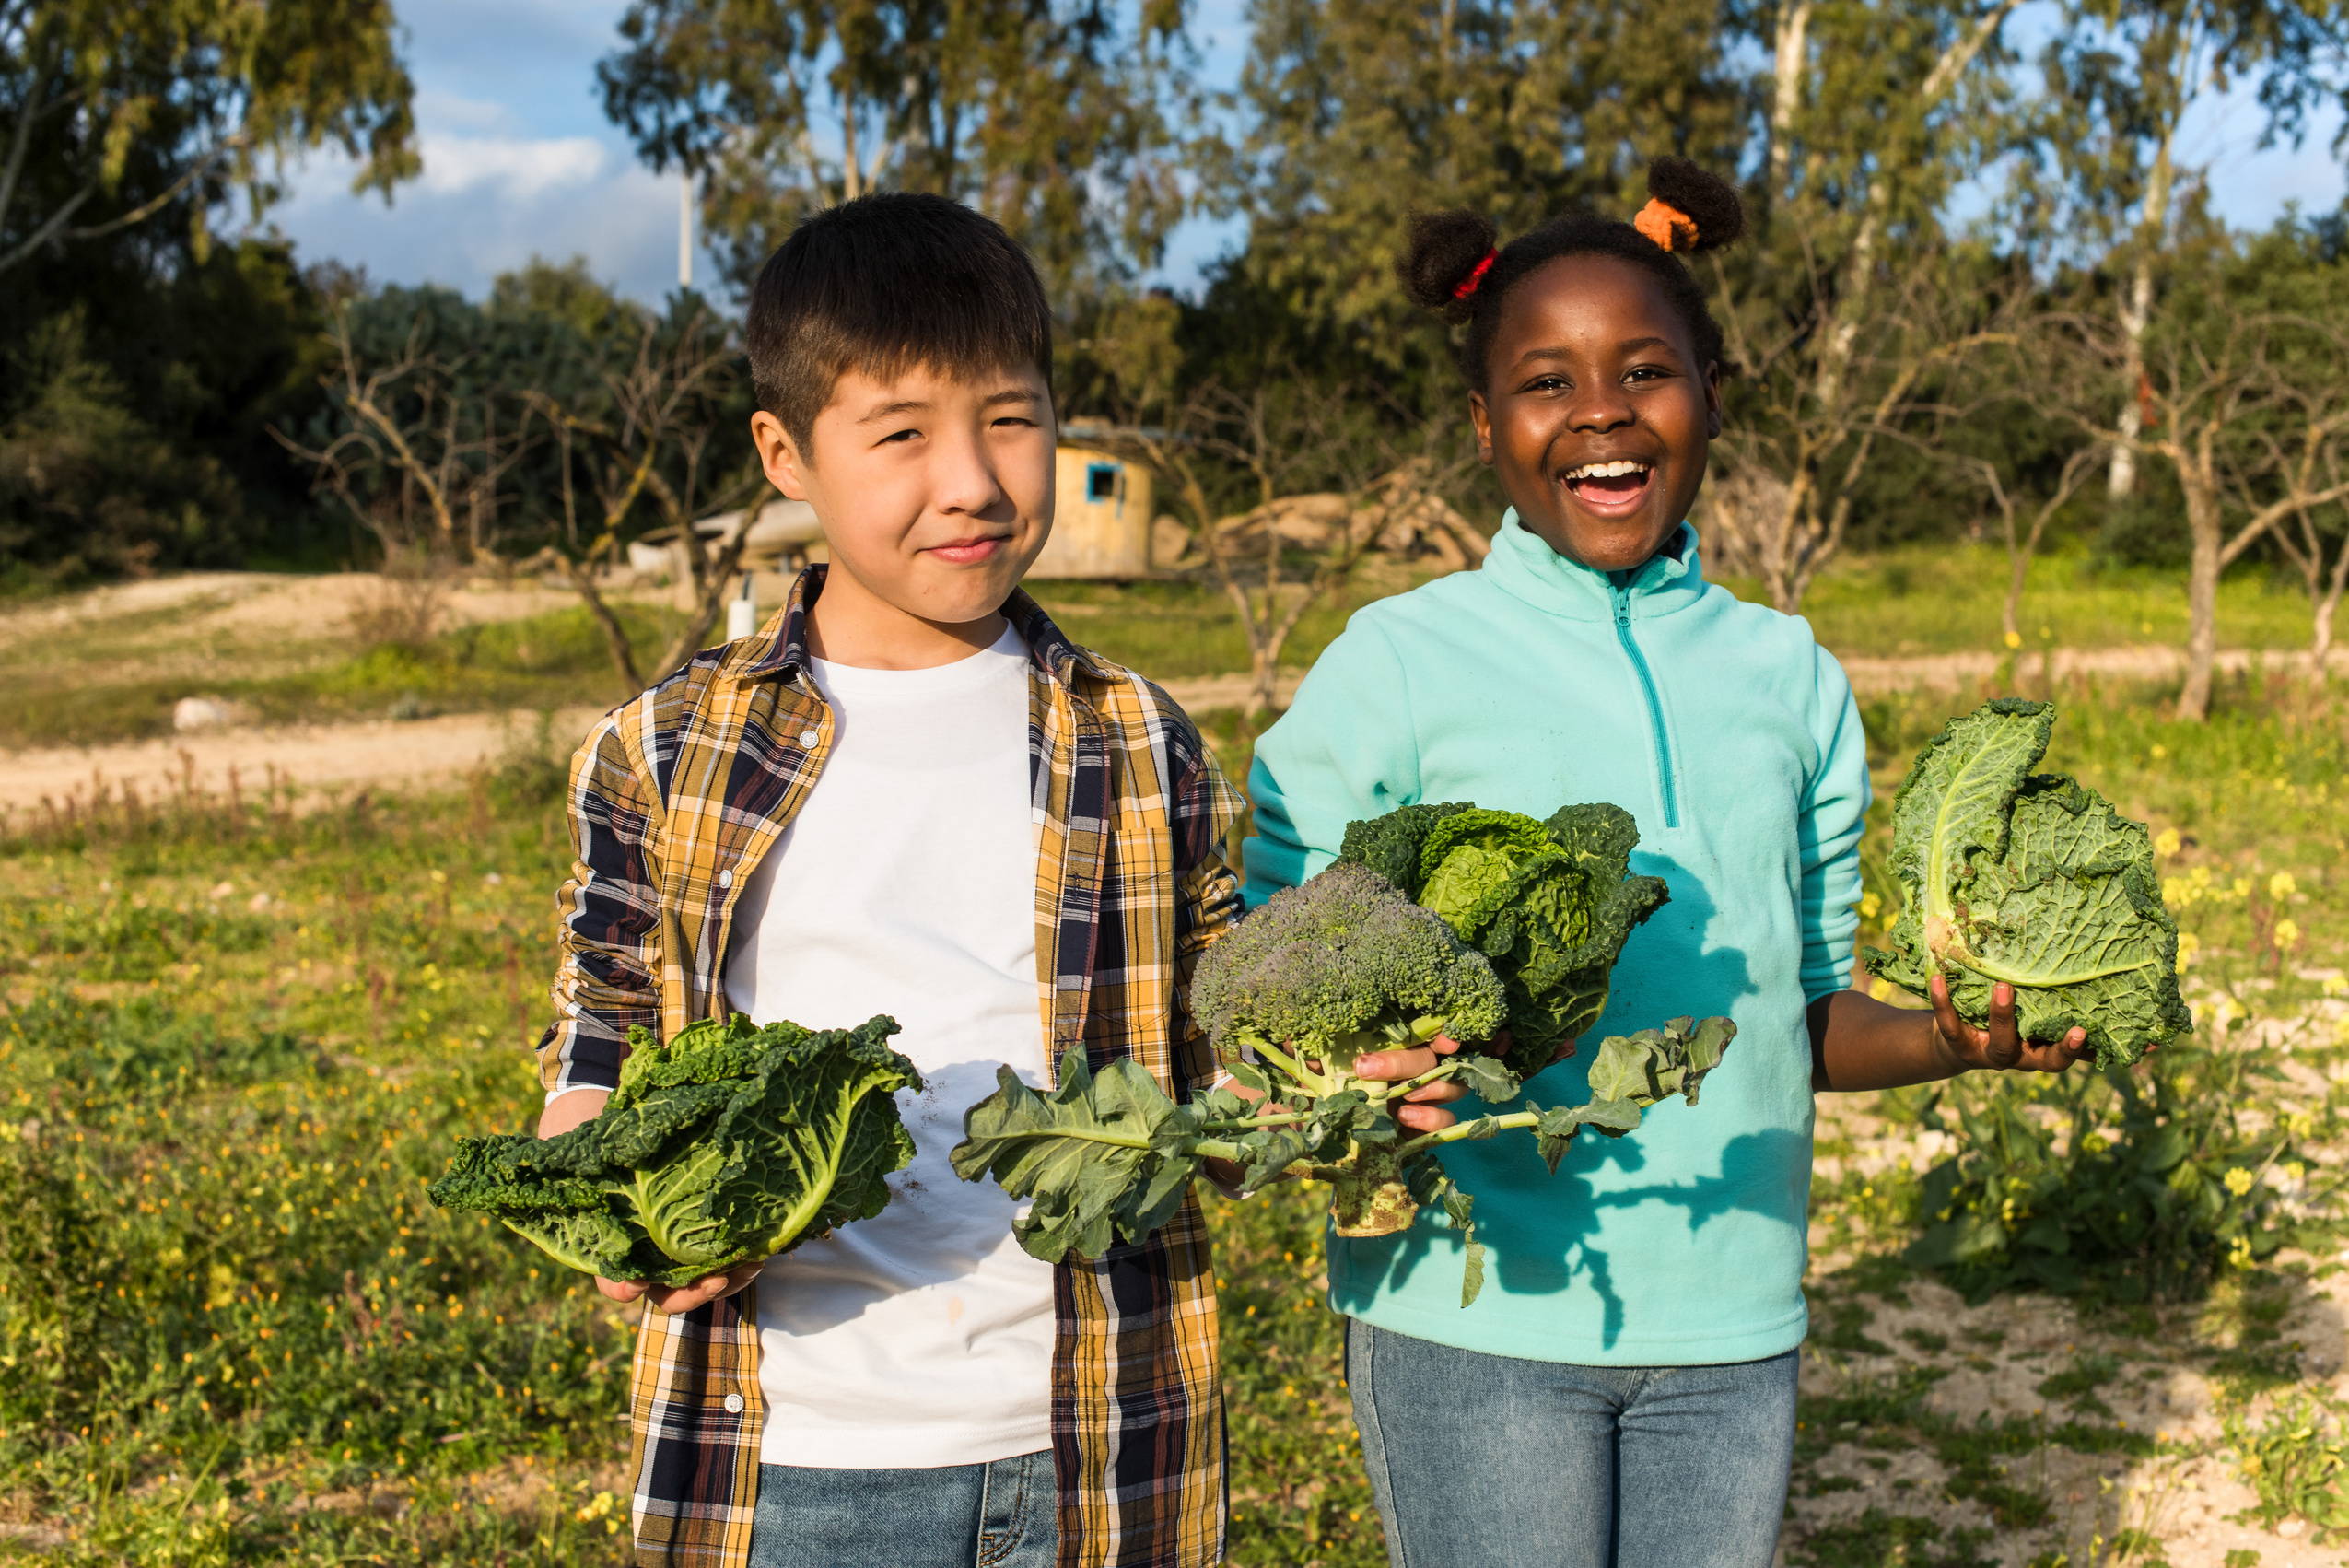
(515, 167)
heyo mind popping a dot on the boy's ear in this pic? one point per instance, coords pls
(779, 456)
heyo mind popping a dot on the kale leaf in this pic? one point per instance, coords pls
(725, 1145)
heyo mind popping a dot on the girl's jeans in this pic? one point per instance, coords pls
(1004, 1514)
(1486, 1461)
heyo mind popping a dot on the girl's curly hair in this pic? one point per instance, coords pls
(1452, 268)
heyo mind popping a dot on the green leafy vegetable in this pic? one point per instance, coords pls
(2031, 880)
(728, 1144)
(1549, 903)
(1322, 973)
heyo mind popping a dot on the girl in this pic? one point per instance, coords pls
(1623, 1391)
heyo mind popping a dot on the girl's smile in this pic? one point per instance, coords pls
(1598, 415)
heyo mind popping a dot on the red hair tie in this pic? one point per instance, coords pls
(1663, 224)
(1468, 284)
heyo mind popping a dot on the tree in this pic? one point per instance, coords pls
(114, 113)
(1055, 117)
(1844, 301)
(2122, 76)
(2250, 405)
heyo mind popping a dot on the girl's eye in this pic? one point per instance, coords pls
(1550, 384)
(1644, 373)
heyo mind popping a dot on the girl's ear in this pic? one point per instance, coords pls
(1712, 400)
(1481, 418)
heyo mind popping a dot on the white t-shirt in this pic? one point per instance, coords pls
(906, 886)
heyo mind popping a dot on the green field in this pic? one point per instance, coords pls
(236, 1045)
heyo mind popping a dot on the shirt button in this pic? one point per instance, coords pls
(725, 878)
(808, 738)
(733, 1404)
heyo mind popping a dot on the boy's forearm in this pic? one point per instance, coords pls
(1858, 1042)
(569, 1109)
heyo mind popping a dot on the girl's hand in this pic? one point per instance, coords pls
(1999, 1046)
(1419, 1110)
(674, 1299)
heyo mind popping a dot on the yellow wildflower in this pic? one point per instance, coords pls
(2281, 886)
(2160, 751)
(2189, 944)
(2014, 640)
(2287, 935)
(2165, 841)
(2336, 984)
(2239, 1181)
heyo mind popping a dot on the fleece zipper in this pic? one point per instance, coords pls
(1655, 705)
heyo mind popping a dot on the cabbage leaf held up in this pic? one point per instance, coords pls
(1549, 903)
(1343, 965)
(2032, 879)
(728, 1144)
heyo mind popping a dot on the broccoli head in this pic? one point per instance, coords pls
(1342, 964)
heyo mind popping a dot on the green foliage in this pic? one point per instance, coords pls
(1324, 972)
(2296, 1459)
(2032, 881)
(725, 1145)
(2130, 1182)
(1549, 903)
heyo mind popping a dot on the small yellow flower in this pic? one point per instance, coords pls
(1870, 905)
(2240, 1255)
(2294, 1171)
(2014, 640)
(2160, 751)
(2287, 935)
(2239, 1181)
(2242, 887)
(2336, 984)
(2189, 944)
(2166, 842)
(2281, 886)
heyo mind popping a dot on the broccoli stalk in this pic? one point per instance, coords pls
(1321, 975)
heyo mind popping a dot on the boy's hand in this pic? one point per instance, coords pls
(683, 1298)
(2000, 1046)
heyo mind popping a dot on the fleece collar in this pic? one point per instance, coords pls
(1524, 567)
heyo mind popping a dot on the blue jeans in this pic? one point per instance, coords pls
(1005, 1515)
(1485, 1461)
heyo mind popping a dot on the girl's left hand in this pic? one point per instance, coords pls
(2000, 1046)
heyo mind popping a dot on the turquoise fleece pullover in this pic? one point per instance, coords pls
(1732, 737)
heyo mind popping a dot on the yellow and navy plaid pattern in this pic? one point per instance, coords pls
(673, 800)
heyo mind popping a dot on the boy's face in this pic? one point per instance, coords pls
(1591, 367)
(935, 493)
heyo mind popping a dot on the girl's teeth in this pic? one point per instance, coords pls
(1607, 469)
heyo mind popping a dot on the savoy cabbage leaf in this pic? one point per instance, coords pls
(725, 1145)
(2031, 880)
(1549, 903)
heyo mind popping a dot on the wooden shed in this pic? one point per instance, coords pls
(1101, 517)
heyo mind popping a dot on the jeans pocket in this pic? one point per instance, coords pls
(1019, 1517)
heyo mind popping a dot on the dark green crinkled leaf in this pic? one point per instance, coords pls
(728, 1144)
(1549, 904)
(2034, 880)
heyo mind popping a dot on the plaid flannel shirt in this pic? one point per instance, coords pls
(673, 800)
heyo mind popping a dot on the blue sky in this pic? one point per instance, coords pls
(519, 159)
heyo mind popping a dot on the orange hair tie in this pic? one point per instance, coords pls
(1664, 223)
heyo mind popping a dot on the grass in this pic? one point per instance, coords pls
(235, 1045)
(88, 683)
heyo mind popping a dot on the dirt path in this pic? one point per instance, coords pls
(377, 753)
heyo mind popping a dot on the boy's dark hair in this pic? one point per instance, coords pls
(1441, 269)
(882, 284)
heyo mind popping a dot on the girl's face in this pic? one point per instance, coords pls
(1596, 413)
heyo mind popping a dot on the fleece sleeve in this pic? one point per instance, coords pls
(1345, 749)
(608, 924)
(1835, 813)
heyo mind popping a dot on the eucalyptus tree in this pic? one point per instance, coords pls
(1059, 118)
(2123, 78)
(114, 113)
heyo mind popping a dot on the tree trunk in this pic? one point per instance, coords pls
(1793, 22)
(2202, 592)
(2136, 312)
(2010, 614)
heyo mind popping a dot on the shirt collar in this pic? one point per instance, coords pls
(1529, 569)
(780, 647)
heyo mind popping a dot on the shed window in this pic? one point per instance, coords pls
(1101, 482)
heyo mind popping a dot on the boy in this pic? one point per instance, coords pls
(911, 794)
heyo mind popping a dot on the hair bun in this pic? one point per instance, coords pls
(1445, 249)
(1703, 197)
